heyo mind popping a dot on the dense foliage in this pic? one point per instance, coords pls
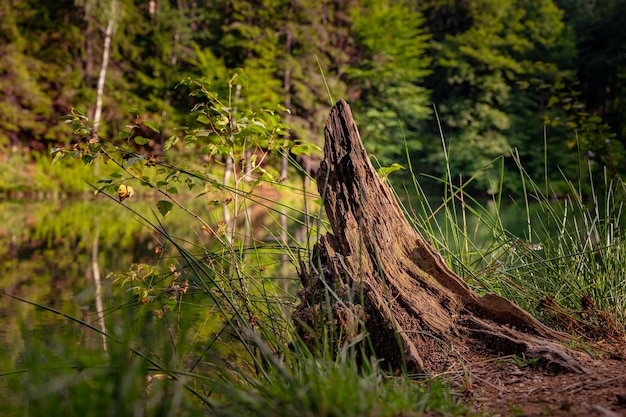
(530, 78)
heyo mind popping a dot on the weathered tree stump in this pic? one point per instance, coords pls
(376, 274)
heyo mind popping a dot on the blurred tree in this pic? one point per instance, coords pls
(601, 71)
(497, 71)
(386, 77)
(38, 78)
(284, 45)
(483, 52)
(251, 41)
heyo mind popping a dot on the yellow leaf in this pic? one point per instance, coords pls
(125, 191)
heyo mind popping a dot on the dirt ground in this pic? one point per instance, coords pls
(509, 387)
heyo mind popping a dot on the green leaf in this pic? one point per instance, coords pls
(269, 174)
(164, 207)
(124, 134)
(105, 181)
(283, 108)
(173, 140)
(86, 159)
(133, 160)
(190, 140)
(152, 126)
(191, 183)
(203, 119)
(204, 133)
(553, 100)
(140, 140)
(172, 190)
(385, 171)
(301, 150)
(243, 79)
(57, 157)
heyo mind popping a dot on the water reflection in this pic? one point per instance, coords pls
(46, 250)
(54, 252)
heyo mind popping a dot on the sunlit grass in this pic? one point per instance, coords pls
(323, 387)
(566, 265)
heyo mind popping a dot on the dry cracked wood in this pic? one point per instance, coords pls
(375, 274)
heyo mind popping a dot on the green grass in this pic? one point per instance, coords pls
(321, 387)
(566, 266)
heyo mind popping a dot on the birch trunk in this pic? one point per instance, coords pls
(108, 34)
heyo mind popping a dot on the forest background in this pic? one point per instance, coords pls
(542, 80)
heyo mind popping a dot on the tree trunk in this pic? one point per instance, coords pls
(108, 34)
(375, 275)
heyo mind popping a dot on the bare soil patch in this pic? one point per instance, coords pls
(505, 387)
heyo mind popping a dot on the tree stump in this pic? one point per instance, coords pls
(375, 275)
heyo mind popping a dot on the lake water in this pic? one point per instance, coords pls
(49, 251)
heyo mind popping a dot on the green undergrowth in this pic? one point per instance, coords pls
(32, 174)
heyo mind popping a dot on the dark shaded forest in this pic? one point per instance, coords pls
(538, 83)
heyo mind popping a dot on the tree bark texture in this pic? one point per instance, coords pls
(375, 275)
(108, 34)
